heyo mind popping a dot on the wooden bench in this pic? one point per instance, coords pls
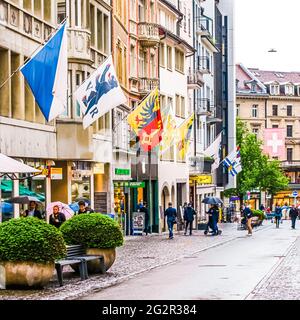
(76, 256)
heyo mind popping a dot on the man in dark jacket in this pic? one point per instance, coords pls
(188, 216)
(145, 210)
(33, 211)
(171, 215)
(83, 208)
(293, 214)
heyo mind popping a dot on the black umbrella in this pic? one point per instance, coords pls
(212, 200)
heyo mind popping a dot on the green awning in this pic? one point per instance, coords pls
(6, 186)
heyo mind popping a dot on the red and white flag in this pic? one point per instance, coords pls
(274, 143)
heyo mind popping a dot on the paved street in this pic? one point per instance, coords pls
(236, 270)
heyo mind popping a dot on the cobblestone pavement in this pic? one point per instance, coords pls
(283, 282)
(139, 254)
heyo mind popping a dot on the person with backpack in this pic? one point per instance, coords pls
(247, 213)
(188, 216)
(278, 215)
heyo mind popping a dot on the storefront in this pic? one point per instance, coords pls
(81, 181)
(285, 197)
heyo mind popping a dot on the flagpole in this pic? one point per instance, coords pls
(150, 192)
(18, 69)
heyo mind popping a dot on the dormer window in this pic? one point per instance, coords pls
(289, 90)
(274, 89)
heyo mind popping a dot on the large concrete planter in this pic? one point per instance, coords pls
(26, 273)
(109, 258)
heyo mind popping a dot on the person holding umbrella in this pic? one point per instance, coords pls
(213, 213)
(57, 218)
(33, 211)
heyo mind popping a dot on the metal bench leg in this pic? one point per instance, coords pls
(83, 270)
(59, 271)
(102, 266)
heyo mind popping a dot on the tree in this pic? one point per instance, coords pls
(259, 171)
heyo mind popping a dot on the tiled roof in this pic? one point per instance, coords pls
(279, 76)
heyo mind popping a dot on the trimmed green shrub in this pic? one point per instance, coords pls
(30, 239)
(260, 214)
(93, 230)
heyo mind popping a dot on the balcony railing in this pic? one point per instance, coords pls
(295, 163)
(203, 64)
(195, 79)
(146, 85)
(204, 26)
(204, 104)
(148, 34)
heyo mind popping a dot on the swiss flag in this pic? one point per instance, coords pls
(274, 143)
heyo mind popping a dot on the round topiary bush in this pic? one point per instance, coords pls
(30, 239)
(260, 214)
(93, 230)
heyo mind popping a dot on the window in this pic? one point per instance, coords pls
(180, 106)
(169, 58)
(289, 90)
(93, 26)
(275, 110)
(162, 59)
(189, 24)
(289, 131)
(141, 10)
(274, 89)
(61, 12)
(179, 60)
(298, 90)
(177, 101)
(255, 131)
(170, 103)
(275, 126)
(133, 64)
(289, 111)
(289, 154)
(119, 64)
(237, 110)
(255, 111)
(78, 13)
(79, 78)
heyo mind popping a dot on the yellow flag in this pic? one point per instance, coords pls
(184, 135)
(168, 136)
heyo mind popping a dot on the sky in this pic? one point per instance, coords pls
(261, 25)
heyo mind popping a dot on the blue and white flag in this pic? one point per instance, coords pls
(47, 75)
(100, 93)
(233, 162)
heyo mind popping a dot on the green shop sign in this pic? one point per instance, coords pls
(130, 184)
(122, 172)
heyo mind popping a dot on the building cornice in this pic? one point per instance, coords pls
(170, 6)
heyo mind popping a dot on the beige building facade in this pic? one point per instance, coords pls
(271, 99)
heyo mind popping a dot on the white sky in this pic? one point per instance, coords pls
(264, 24)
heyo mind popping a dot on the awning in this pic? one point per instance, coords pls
(6, 186)
(11, 167)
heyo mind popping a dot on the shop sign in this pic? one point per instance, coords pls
(42, 175)
(130, 184)
(56, 173)
(122, 172)
(99, 168)
(203, 179)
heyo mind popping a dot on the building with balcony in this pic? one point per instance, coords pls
(271, 99)
(213, 101)
(82, 157)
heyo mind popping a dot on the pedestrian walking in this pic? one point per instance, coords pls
(213, 216)
(285, 211)
(278, 215)
(188, 216)
(33, 211)
(294, 213)
(247, 213)
(145, 210)
(262, 207)
(171, 215)
(57, 218)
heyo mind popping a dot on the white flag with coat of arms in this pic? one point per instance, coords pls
(100, 93)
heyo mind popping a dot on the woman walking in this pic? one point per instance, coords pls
(278, 215)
